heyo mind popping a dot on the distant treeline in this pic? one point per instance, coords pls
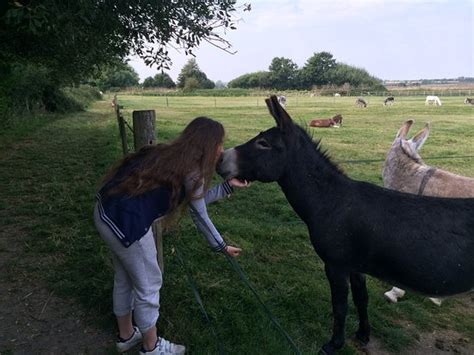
(320, 71)
(420, 82)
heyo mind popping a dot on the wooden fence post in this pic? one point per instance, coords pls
(121, 124)
(143, 128)
(144, 134)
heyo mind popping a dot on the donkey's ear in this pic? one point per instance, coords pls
(282, 118)
(420, 138)
(403, 131)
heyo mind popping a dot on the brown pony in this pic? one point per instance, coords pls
(336, 121)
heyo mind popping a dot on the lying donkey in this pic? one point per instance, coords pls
(336, 122)
(405, 171)
(419, 242)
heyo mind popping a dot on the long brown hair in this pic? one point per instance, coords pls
(169, 164)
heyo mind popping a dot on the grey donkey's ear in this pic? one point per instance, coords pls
(420, 138)
(282, 118)
(403, 131)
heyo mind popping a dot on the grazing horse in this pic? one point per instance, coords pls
(433, 100)
(423, 243)
(389, 101)
(405, 171)
(469, 101)
(360, 102)
(336, 121)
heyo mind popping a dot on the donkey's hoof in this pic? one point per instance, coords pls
(394, 294)
(389, 296)
(327, 349)
(361, 338)
(330, 348)
(436, 301)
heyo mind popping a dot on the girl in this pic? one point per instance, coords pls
(155, 182)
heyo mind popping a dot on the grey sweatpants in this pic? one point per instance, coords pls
(137, 279)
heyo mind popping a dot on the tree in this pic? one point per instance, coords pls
(160, 80)
(356, 77)
(119, 75)
(191, 70)
(74, 38)
(315, 71)
(283, 73)
(260, 79)
(191, 84)
(149, 82)
(220, 85)
(69, 41)
(163, 80)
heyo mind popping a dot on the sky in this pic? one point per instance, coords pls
(393, 40)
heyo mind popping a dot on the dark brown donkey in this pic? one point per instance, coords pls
(425, 244)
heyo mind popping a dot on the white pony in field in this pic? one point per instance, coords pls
(337, 94)
(433, 100)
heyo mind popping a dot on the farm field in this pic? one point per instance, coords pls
(48, 181)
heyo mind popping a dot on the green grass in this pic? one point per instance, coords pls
(50, 173)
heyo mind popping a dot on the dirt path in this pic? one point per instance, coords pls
(35, 321)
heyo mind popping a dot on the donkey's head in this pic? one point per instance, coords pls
(264, 157)
(404, 154)
(410, 147)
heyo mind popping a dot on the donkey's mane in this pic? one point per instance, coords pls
(321, 153)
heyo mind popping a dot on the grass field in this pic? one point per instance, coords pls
(51, 171)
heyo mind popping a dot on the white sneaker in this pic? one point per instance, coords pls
(125, 345)
(165, 347)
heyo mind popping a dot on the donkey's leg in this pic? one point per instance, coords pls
(339, 282)
(361, 300)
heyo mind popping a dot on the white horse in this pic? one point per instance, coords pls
(337, 94)
(433, 100)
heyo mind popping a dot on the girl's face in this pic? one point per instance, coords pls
(220, 150)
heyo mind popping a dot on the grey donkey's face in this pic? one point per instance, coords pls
(403, 147)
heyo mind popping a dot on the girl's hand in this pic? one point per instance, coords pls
(238, 183)
(233, 251)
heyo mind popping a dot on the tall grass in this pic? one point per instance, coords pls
(51, 174)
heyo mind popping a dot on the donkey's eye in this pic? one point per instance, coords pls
(262, 143)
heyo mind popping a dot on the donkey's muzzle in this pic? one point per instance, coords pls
(227, 165)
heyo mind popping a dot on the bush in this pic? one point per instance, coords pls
(191, 84)
(75, 99)
(28, 89)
